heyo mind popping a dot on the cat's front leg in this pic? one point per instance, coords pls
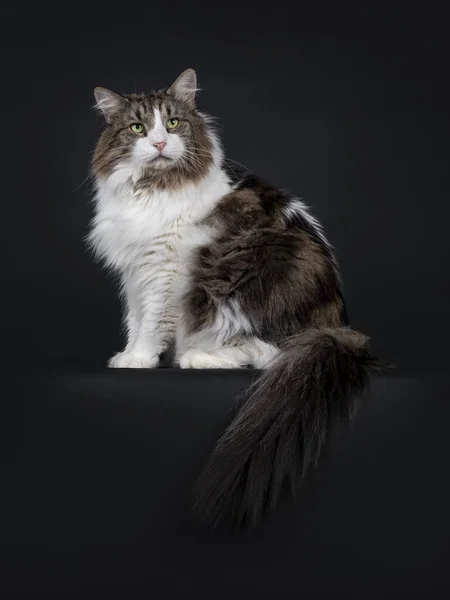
(150, 329)
(131, 357)
(132, 319)
(144, 352)
(145, 344)
(129, 360)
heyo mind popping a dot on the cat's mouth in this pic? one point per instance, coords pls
(160, 162)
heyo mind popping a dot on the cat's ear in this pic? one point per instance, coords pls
(185, 87)
(109, 103)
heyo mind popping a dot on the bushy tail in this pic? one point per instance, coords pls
(281, 427)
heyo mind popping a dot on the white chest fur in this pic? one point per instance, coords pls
(128, 228)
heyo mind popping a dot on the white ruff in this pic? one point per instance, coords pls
(128, 227)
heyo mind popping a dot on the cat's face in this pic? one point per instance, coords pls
(159, 135)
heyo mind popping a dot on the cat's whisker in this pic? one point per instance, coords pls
(197, 155)
(100, 164)
(228, 160)
(189, 164)
(90, 177)
(197, 163)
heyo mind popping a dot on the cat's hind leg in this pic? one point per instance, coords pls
(247, 352)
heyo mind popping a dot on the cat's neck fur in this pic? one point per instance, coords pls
(126, 219)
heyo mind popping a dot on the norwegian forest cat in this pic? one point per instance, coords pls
(234, 273)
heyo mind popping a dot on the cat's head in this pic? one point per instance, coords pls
(159, 135)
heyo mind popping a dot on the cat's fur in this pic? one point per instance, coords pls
(236, 273)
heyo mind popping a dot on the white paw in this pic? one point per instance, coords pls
(126, 360)
(197, 359)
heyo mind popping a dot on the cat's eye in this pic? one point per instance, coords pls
(137, 128)
(172, 123)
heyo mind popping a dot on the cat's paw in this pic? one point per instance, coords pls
(197, 359)
(126, 360)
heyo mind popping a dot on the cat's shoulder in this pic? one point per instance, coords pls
(257, 201)
(250, 192)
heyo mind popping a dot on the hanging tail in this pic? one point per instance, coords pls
(281, 428)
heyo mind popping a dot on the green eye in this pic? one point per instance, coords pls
(137, 128)
(172, 123)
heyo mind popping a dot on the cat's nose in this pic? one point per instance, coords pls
(160, 145)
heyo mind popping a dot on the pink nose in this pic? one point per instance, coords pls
(160, 146)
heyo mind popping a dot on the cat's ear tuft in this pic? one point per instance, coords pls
(109, 103)
(185, 87)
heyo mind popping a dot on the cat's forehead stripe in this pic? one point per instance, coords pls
(158, 124)
(144, 108)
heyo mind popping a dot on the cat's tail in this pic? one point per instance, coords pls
(281, 427)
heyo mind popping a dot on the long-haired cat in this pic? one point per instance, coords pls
(235, 273)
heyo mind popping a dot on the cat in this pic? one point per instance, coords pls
(234, 273)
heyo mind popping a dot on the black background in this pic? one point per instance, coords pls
(348, 108)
